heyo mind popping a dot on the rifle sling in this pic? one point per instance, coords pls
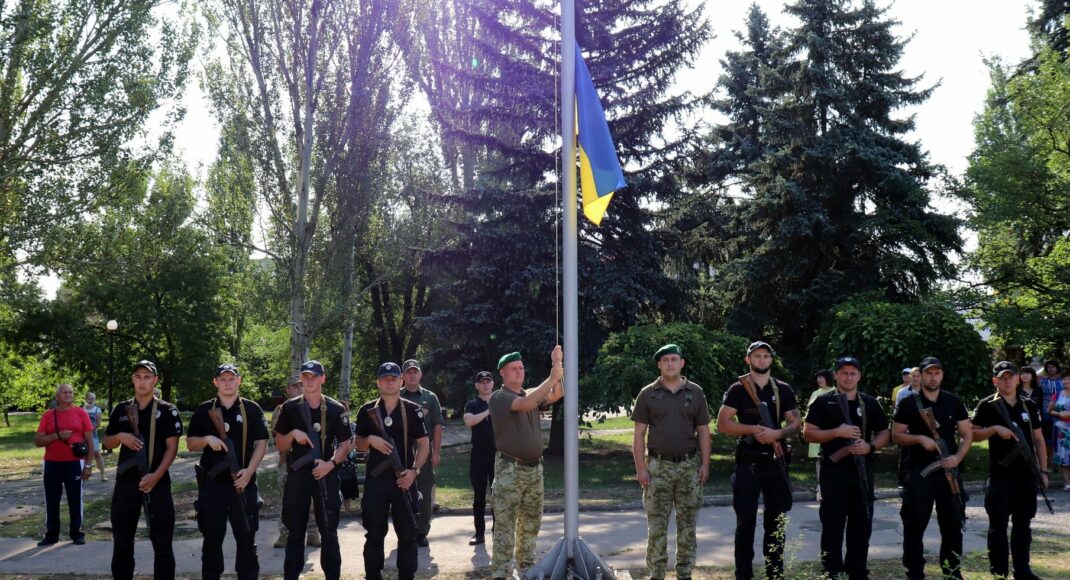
(751, 390)
(244, 426)
(404, 426)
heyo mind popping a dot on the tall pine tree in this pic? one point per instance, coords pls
(835, 199)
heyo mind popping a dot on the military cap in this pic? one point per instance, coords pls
(668, 349)
(508, 358)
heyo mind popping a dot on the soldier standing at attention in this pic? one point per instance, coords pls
(224, 496)
(387, 489)
(759, 468)
(1011, 493)
(310, 427)
(160, 427)
(432, 411)
(518, 485)
(847, 447)
(481, 462)
(312, 537)
(910, 429)
(671, 449)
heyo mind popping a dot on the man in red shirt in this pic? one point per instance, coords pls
(61, 430)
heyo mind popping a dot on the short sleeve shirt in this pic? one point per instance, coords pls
(737, 398)
(251, 428)
(482, 432)
(517, 434)
(673, 416)
(406, 414)
(948, 410)
(168, 424)
(428, 402)
(330, 426)
(1025, 414)
(75, 420)
(95, 415)
(825, 413)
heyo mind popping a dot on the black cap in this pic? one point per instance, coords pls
(847, 361)
(759, 344)
(313, 366)
(227, 368)
(410, 364)
(389, 369)
(147, 364)
(1004, 367)
(930, 361)
(484, 375)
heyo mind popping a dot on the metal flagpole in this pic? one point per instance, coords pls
(570, 557)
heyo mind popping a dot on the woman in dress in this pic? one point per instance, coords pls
(1059, 409)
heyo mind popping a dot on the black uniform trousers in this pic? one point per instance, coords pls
(748, 481)
(843, 508)
(919, 495)
(481, 475)
(1010, 497)
(125, 513)
(302, 490)
(383, 498)
(218, 503)
(60, 475)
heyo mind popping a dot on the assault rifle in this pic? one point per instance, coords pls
(767, 421)
(140, 460)
(952, 474)
(1021, 449)
(231, 463)
(394, 462)
(860, 462)
(315, 453)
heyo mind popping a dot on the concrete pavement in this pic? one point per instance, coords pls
(618, 536)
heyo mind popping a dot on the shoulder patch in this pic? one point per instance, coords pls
(174, 412)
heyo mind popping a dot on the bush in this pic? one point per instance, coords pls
(624, 364)
(886, 337)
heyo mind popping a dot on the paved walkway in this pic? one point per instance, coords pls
(619, 537)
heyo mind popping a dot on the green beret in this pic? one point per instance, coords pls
(668, 349)
(508, 358)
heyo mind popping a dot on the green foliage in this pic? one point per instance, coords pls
(78, 84)
(836, 198)
(624, 365)
(886, 337)
(1016, 186)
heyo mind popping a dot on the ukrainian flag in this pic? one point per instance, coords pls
(600, 172)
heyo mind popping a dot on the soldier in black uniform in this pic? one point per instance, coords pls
(386, 493)
(330, 428)
(846, 507)
(920, 493)
(160, 426)
(219, 494)
(481, 461)
(757, 470)
(1011, 494)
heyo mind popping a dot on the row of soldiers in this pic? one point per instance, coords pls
(671, 449)
(400, 430)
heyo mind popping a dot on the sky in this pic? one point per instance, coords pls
(951, 39)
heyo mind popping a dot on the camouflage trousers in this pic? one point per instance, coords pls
(671, 485)
(517, 501)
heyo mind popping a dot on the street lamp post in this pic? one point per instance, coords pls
(112, 326)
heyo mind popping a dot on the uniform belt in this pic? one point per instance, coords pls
(520, 462)
(673, 458)
(746, 455)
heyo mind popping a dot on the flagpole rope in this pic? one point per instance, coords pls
(557, 192)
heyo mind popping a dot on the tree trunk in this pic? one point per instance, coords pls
(347, 364)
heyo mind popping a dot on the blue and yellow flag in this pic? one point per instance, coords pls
(600, 172)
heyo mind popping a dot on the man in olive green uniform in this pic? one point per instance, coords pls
(425, 482)
(671, 448)
(518, 488)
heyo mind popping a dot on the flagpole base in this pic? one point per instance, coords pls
(582, 564)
